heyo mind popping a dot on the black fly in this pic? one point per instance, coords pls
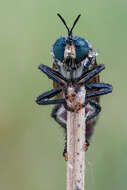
(74, 62)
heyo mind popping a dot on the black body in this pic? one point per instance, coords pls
(74, 63)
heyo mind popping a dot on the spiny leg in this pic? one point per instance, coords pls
(52, 74)
(59, 113)
(90, 120)
(99, 89)
(65, 154)
(90, 74)
(86, 145)
(94, 104)
(43, 99)
(102, 90)
(89, 110)
(89, 131)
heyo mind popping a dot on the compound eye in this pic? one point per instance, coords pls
(82, 49)
(58, 48)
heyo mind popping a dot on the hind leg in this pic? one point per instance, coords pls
(89, 110)
(65, 154)
(59, 113)
(89, 131)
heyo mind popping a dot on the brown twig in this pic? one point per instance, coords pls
(76, 142)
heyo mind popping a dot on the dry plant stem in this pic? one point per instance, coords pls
(75, 144)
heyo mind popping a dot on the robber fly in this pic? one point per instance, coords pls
(74, 62)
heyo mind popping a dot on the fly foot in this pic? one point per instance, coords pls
(65, 155)
(85, 146)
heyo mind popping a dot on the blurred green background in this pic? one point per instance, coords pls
(31, 143)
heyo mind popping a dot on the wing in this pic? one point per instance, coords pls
(95, 79)
(90, 123)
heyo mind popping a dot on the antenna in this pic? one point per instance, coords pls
(63, 21)
(76, 20)
(69, 30)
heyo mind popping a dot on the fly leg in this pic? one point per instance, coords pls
(90, 74)
(89, 131)
(43, 99)
(52, 74)
(65, 154)
(59, 113)
(90, 121)
(99, 89)
(94, 104)
(86, 145)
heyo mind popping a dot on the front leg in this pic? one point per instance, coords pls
(52, 74)
(43, 99)
(99, 89)
(90, 74)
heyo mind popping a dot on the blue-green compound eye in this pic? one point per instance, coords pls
(82, 48)
(58, 48)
